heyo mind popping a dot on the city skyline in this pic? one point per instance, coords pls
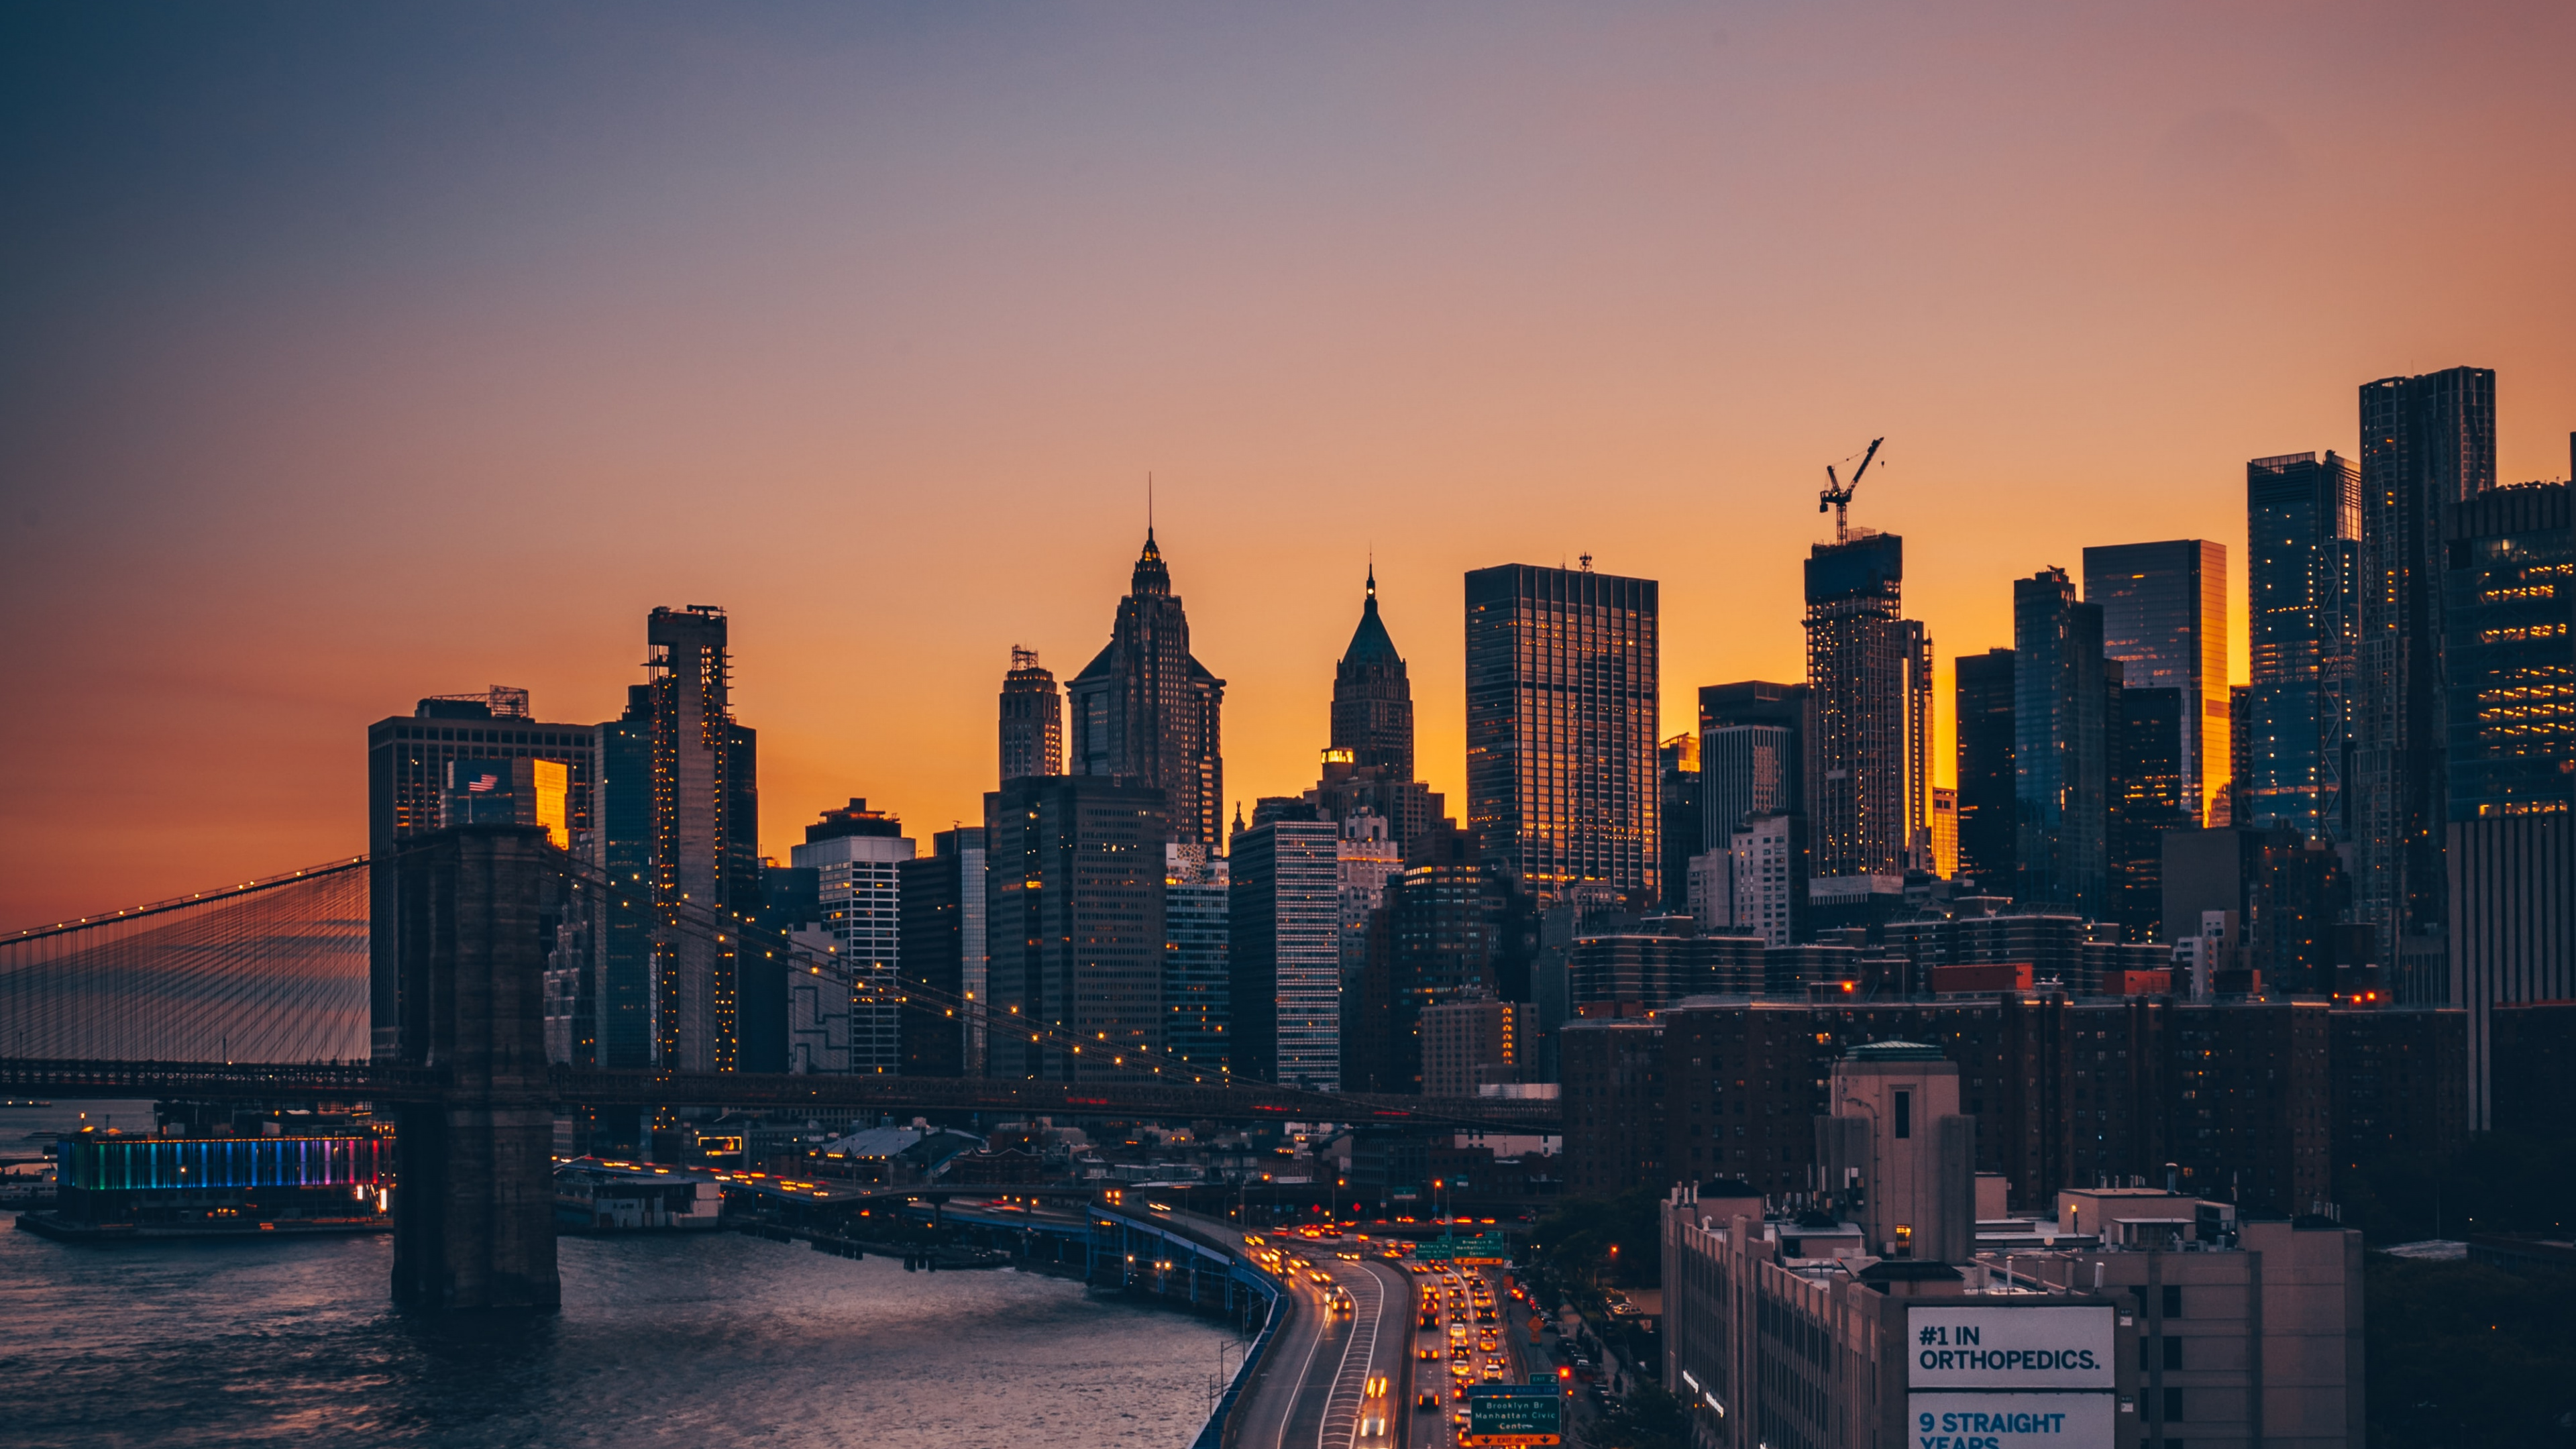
(424, 399)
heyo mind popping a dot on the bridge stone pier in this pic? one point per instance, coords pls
(474, 1215)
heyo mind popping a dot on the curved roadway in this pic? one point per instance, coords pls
(1311, 1391)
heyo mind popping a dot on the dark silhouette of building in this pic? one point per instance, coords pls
(1032, 719)
(1987, 834)
(1145, 711)
(1563, 671)
(2509, 619)
(1868, 778)
(1369, 765)
(1073, 889)
(1443, 933)
(2164, 617)
(2287, 890)
(2426, 443)
(2060, 766)
(1678, 775)
(2147, 799)
(2302, 581)
(941, 922)
(407, 761)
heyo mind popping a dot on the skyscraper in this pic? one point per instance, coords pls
(2426, 443)
(2143, 741)
(1563, 696)
(1284, 953)
(1988, 836)
(1145, 711)
(1073, 925)
(1869, 682)
(407, 759)
(939, 963)
(2060, 772)
(859, 855)
(1678, 774)
(677, 821)
(1198, 985)
(2164, 617)
(2509, 617)
(1368, 768)
(2302, 579)
(1032, 719)
(1752, 755)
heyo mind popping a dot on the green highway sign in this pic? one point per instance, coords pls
(1513, 1416)
(1473, 1248)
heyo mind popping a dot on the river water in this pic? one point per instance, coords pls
(707, 1340)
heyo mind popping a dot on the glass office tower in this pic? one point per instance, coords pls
(2164, 617)
(2302, 578)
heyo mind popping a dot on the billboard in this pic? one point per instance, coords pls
(1506, 1415)
(2010, 1421)
(1995, 1348)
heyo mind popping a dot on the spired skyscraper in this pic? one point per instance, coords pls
(1563, 694)
(1369, 765)
(1145, 712)
(2426, 443)
(1032, 719)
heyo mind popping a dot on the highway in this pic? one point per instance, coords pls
(1314, 1388)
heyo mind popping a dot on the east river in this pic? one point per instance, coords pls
(707, 1340)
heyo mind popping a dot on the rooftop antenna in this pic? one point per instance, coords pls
(1149, 504)
(1838, 494)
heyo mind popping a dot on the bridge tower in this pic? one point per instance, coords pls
(474, 1215)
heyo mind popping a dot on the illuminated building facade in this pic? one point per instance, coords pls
(2427, 443)
(1197, 982)
(1073, 925)
(1032, 719)
(2302, 581)
(701, 835)
(858, 856)
(1284, 957)
(2509, 616)
(1563, 695)
(1146, 712)
(1869, 671)
(2164, 617)
(407, 763)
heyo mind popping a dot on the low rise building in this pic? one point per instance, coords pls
(600, 1197)
(1870, 1317)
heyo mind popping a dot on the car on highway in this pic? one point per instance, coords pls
(1376, 1387)
(1426, 1402)
(1429, 1355)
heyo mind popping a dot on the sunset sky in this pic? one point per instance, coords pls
(352, 353)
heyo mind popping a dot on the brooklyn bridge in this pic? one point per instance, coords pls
(259, 992)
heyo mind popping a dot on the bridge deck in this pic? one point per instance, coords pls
(573, 1086)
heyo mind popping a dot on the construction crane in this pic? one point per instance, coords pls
(1838, 494)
